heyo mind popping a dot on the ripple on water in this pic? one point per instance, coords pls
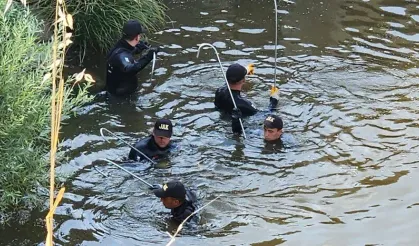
(200, 29)
(251, 31)
(349, 95)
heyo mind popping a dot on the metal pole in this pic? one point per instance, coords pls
(276, 39)
(225, 78)
(113, 134)
(153, 65)
(132, 174)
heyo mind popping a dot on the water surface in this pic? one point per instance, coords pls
(349, 89)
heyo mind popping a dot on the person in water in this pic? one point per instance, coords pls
(157, 145)
(272, 128)
(181, 201)
(122, 68)
(236, 77)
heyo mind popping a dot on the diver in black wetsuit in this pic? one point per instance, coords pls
(157, 145)
(182, 202)
(122, 68)
(235, 75)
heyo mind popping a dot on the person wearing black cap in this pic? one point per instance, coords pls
(122, 68)
(272, 128)
(181, 201)
(157, 145)
(236, 75)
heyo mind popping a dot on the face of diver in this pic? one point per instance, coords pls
(170, 202)
(161, 141)
(272, 134)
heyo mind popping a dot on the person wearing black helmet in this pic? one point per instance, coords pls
(122, 67)
(181, 201)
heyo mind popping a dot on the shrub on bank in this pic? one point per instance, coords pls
(98, 23)
(25, 101)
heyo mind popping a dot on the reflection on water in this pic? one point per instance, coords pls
(349, 100)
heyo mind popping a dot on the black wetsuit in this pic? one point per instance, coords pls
(187, 208)
(223, 102)
(122, 68)
(149, 147)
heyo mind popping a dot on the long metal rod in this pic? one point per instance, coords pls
(113, 134)
(153, 65)
(276, 40)
(225, 78)
(132, 174)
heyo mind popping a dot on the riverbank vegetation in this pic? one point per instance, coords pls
(26, 83)
(25, 106)
(98, 23)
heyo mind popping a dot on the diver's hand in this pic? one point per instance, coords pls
(274, 98)
(155, 187)
(236, 114)
(154, 50)
(142, 46)
(235, 123)
(274, 93)
(250, 69)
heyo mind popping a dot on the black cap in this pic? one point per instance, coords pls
(163, 128)
(173, 189)
(273, 121)
(235, 73)
(132, 28)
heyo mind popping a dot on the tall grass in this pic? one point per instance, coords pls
(25, 101)
(99, 22)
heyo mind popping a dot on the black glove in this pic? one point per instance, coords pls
(155, 187)
(235, 123)
(154, 50)
(141, 46)
(273, 103)
(236, 113)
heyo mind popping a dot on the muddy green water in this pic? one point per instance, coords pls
(349, 90)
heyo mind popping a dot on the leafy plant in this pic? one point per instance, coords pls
(99, 22)
(25, 101)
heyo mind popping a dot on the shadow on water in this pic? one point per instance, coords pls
(349, 94)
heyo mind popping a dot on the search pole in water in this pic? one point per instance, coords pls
(132, 174)
(276, 39)
(225, 78)
(113, 134)
(153, 65)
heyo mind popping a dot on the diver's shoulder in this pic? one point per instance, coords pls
(141, 143)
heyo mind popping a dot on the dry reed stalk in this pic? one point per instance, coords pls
(63, 21)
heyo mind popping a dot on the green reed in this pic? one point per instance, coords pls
(98, 23)
(25, 101)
